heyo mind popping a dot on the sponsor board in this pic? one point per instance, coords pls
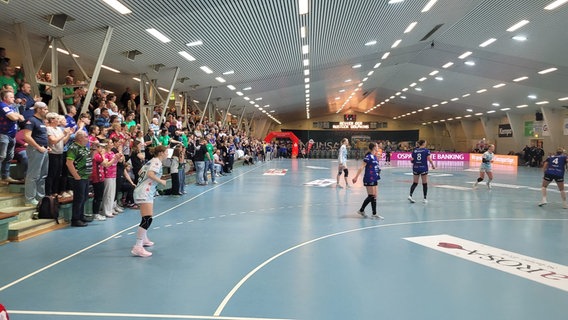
(534, 269)
(321, 183)
(435, 156)
(275, 172)
(497, 159)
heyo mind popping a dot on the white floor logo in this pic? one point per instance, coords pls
(541, 271)
(321, 183)
(275, 172)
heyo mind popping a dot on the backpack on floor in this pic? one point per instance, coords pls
(48, 208)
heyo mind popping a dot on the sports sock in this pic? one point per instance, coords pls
(412, 188)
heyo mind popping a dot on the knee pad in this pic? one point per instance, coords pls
(346, 172)
(146, 222)
(479, 179)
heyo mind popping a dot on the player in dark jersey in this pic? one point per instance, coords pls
(420, 159)
(370, 179)
(554, 168)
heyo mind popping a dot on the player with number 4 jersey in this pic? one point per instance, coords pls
(554, 168)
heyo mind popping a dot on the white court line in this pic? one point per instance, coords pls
(262, 265)
(114, 235)
(133, 315)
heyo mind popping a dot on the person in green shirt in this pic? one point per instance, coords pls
(130, 122)
(80, 165)
(68, 92)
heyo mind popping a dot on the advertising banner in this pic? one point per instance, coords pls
(498, 159)
(435, 156)
(505, 131)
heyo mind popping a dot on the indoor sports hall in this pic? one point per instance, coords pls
(279, 240)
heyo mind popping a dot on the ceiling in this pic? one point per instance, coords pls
(260, 40)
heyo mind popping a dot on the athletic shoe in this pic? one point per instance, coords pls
(118, 209)
(564, 205)
(347, 186)
(488, 185)
(425, 201)
(410, 199)
(100, 217)
(110, 215)
(140, 252)
(542, 203)
(215, 182)
(475, 185)
(362, 214)
(338, 185)
(376, 216)
(32, 203)
(147, 243)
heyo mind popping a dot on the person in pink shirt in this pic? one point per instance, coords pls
(110, 179)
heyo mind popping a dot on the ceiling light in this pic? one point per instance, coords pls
(447, 65)
(520, 79)
(520, 38)
(356, 66)
(479, 114)
(231, 87)
(307, 72)
(429, 5)
(228, 72)
(439, 78)
(555, 4)
(246, 98)
(545, 71)
(348, 80)
(443, 102)
(122, 9)
(365, 79)
(465, 54)
(426, 108)
(396, 43)
(186, 55)
(395, 1)
(220, 79)
(532, 96)
(470, 63)
(303, 6)
(505, 109)
(435, 72)
(542, 102)
(247, 88)
(454, 99)
(303, 32)
(137, 79)
(163, 89)
(342, 90)
(518, 25)
(195, 43)
(239, 93)
(385, 55)
(488, 42)
(110, 69)
(466, 95)
(305, 49)
(499, 85)
(412, 84)
(306, 62)
(495, 104)
(491, 111)
(410, 27)
(158, 35)
(370, 73)
(307, 86)
(469, 110)
(522, 106)
(307, 79)
(206, 69)
(481, 90)
(404, 90)
(377, 65)
(371, 43)
(422, 79)
(467, 116)
(563, 99)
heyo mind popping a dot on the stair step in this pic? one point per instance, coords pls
(11, 199)
(23, 230)
(24, 213)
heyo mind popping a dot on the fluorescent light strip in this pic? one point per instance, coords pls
(305, 49)
(481, 90)
(385, 55)
(545, 71)
(435, 72)
(371, 43)
(429, 5)
(447, 65)
(220, 79)
(542, 102)
(122, 9)
(488, 42)
(522, 106)
(555, 4)
(303, 32)
(231, 87)
(229, 72)
(499, 85)
(195, 43)
(396, 43)
(110, 69)
(518, 25)
(520, 38)
(306, 62)
(158, 35)
(307, 72)
(410, 27)
(163, 89)
(520, 79)
(563, 99)
(206, 69)
(186, 55)
(303, 6)
(377, 65)
(465, 54)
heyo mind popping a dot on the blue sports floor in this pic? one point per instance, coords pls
(271, 246)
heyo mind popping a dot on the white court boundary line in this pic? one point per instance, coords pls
(133, 315)
(262, 265)
(115, 235)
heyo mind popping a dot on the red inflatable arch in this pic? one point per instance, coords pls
(288, 135)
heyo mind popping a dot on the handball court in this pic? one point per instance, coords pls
(278, 240)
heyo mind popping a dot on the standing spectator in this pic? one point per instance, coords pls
(25, 98)
(20, 152)
(144, 193)
(57, 136)
(9, 118)
(98, 180)
(174, 172)
(110, 179)
(68, 91)
(36, 136)
(554, 169)
(7, 78)
(209, 161)
(124, 98)
(45, 90)
(80, 165)
(199, 160)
